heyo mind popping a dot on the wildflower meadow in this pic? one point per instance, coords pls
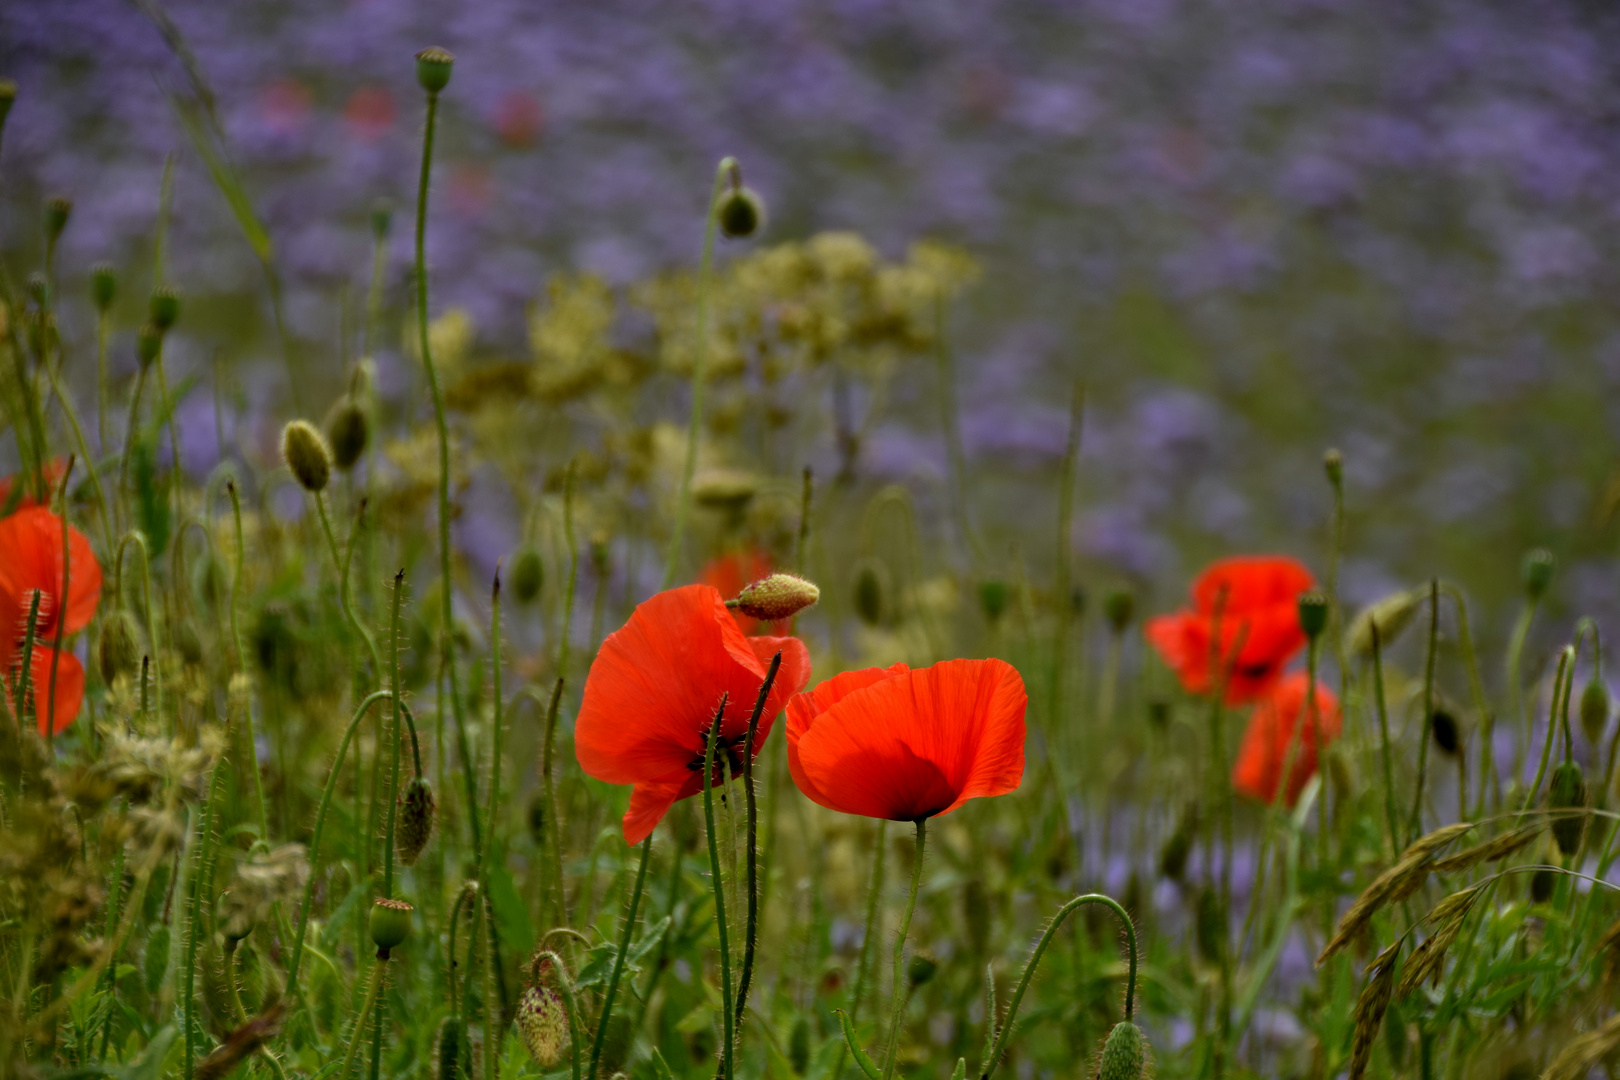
(806, 541)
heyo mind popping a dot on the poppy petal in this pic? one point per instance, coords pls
(1249, 582)
(69, 692)
(31, 558)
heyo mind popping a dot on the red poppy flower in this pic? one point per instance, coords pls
(1257, 600)
(731, 573)
(30, 559)
(653, 691)
(905, 745)
(52, 472)
(1271, 738)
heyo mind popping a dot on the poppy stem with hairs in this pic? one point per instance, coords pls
(988, 1066)
(20, 697)
(1415, 824)
(618, 961)
(726, 1018)
(897, 1003)
(753, 837)
(1383, 736)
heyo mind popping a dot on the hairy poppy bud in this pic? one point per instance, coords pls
(1443, 726)
(433, 68)
(382, 216)
(103, 286)
(1313, 613)
(453, 1050)
(1390, 616)
(740, 212)
(119, 650)
(993, 599)
(921, 970)
(347, 431)
(542, 1020)
(417, 811)
(799, 1046)
(780, 596)
(163, 309)
(1119, 607)
(869, 593)
(1333, 465)
(57, 212)
(306, 455)
(390, 924)
(1594, 710)
(1537, 572)
(1124, 1053)
(1541, 886)
(528, 574)
(1567, 791)
(148, 343)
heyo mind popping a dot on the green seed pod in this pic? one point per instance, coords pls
(528, 574)
(976, 915)
(382, 216)
(148, 344)
(433, 69)
(57, 212)
(740, 212)
(453, 1050)
(1594, 711)
(780, 596)
(1211, 926)
(188, 642)
(993, 599)
(118, 653)
(870, 593)
(1124, 1053)
(305, 451)
(103, 285)
(542, 1020)
(1537, 572)
(347, 432)
(1567, 790)
(1313, 613)
(1119, 607)
(799, 1046)
(1542, 883)
(164, 308)
(1333, 465)
(390, 924)
(1443, 726)
(417, 811)
(921, 969)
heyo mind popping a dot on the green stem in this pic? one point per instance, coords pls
(393, 737)
(1387, 758)
(1566, 664)
(726, 1018)
(114, 894)
(897, 1002)
(552, 834)
(252, 749)
(618, 960)
(103, 382)
(1521, 631)
(753, 837)
(340, 563)
(131, 431)
(694, 423)
(1416, 824)
(358, 1035)
(1487, 721)
(20, 695)
(205, 830)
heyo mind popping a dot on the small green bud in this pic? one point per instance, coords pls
(453, 1050)
(799, 1046)
(306, 454)
(993, 599)
(1119, 607)
(390, 924)
(922, 968)
(869, 593)
(118, 653)
(780, 596)
(1567, 791)
(542, 1020)
(1333, 465)
(1124, 1053)
(433, 69)
(148, 344)
(1211, 926)
(1541, 886)
(1159, 714)
(1313, 613)
(382, 216)
(740, 213)
(1389, 616)
(528, 574)
(1443, 726)
(1594, 710)
(347, 432)
(1537, 572)
(57, 212)
(417, 812)
(39, 290)
(103, 285)
(163, 309)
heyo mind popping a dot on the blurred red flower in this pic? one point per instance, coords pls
(369, 113)
(905, 745)
(1271, 737)
(653, 691)
(30, 559)
(52, 473)
(519, 119)
(1257, 601)
(730, 573)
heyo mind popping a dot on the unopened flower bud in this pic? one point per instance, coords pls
(1390, 616)
(164, 307)
(1567, 791)
(1542, 883)
(57, 212)
(528, 574)
(1594, 710)
(922, 968)
(347, 432)
(382, 216)
(739, 213)
(1124, 1053)
(39, 290)
(542, 1020)
(780, 596)
(118, 652)
(1537, 572)
(869, 593)
(390, 924)
(453, 1050)
(103, 285)
(417, 811)
(1443, 727)
(306, 455)
(1119, 607)
(148, 344)
(1333, 465)
(433, 68)
(993, 599)
(1173, 855)
(1313, 613)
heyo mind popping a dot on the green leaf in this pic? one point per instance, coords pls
(960, 1072)
(867, 1066)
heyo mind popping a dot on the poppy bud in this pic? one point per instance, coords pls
(1124, 1053)
(148, 343)
(433, 68)
(921, 970)
(417, 812)
(1594, 710)
(103, 286)
(976, 915)
(869, 594)
(164, 307)
(38, 288)
(1567, 791)
(1173, 855)
(799, 1046)
(382, 215)
(1390, 616)
(528, 573)
(1210, 927)
(390, 924)
(993, 599)
(542, 1020)
(1313, 613)
(453, 1050)
(1537, 572)
(1119, 607)
(780, 596)
(1159, 714)
(347, 432)
(119, 650)
(57, 212)
(1333, 465)
(739, 213)
(1443, 726)
(306, 455)
(1541, 886)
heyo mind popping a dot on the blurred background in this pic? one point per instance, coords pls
(1254, 228)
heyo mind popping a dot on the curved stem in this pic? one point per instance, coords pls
(991, 1062)
(1566, 665)
(618, 960)
(252, 762)
(358, 1035)
(897, 1002)
(727, 1021)
(393, 737)
(341, 564)
(566, 985)
(1515, 654)
(753, 837)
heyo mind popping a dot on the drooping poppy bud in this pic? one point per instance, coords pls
(417, 811)
(1537, 572)
(1124, 1053)
(799, 1046)
(542, 1020)
(777, 597)
(1567, 791)
(1594, 710)
(740, 213)
(1210, 928)
(1390, 616)
(188, 642)
(869, 593)
(1443, 727)
(305, 451)
(1541, 886)
(921, 969)
(1333, 465)
(528, 574)
(390, 924)
(347, 431)
(1119, 607)
(118, 653)
(433, 66)
(164, 308)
